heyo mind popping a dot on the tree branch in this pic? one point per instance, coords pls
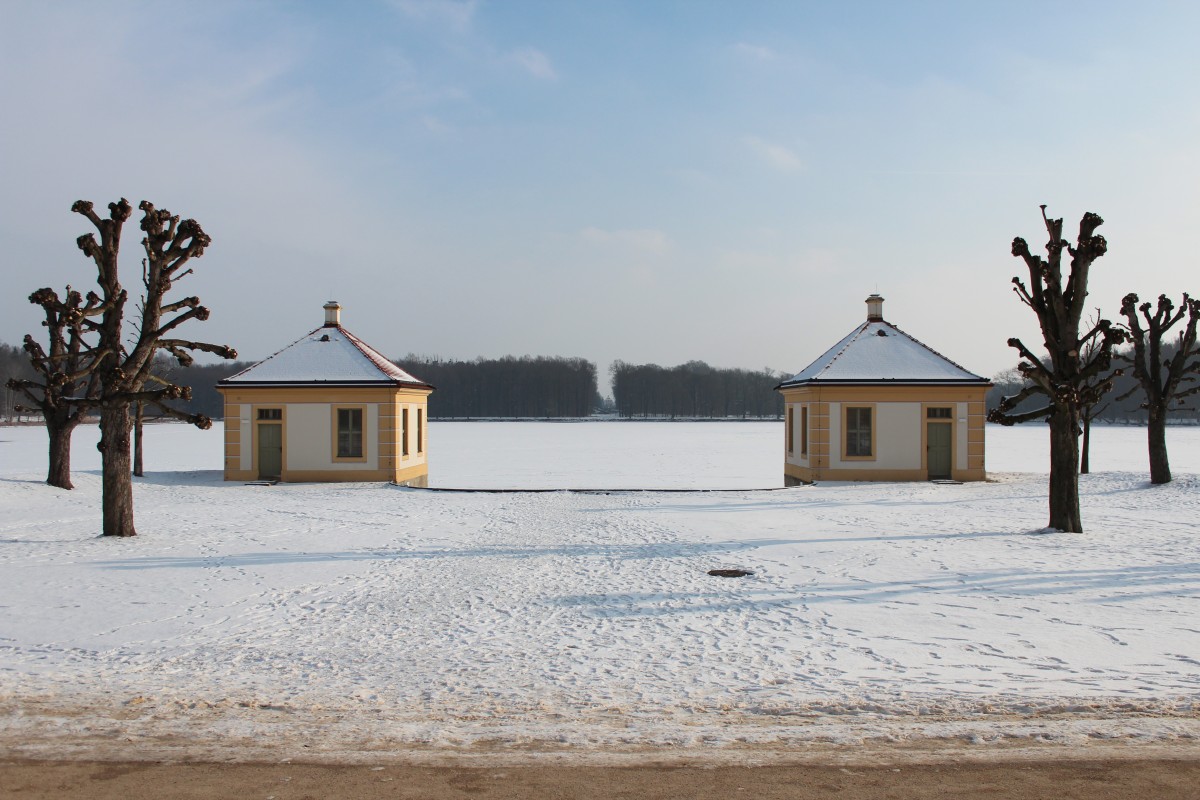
(1000, 418)
(201, 421)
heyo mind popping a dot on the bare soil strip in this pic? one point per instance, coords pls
(1090, 780)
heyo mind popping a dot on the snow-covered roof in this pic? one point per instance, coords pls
(879, 352)
(329, 356)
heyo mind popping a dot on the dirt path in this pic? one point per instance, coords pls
(1062, 780)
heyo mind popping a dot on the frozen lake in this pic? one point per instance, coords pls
(612, 455)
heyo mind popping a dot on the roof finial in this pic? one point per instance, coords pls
(333, 314)
(875, 308)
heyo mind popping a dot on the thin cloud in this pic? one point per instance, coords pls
(775, 155)
(690, 176)
(435, 125)
(644, 239)
(535, 62)
(757, 52)
(454, 14)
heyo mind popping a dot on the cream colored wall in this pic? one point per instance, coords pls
(310, 439)
(897, 437)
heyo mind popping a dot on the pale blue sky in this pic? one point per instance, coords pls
(650, 181)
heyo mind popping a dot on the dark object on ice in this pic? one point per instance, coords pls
(730, 573)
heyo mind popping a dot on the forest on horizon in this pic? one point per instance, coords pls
(553, 387)
(511, 387)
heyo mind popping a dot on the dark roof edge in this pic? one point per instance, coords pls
(888, 382)
(226, 384)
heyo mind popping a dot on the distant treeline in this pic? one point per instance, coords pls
(1110, 409)
(566, 387)
(14, 363)
(538, 387)
(694, 389)
(528, 386)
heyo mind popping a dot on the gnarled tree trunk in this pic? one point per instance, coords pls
(59, 471)
(1156, 434)
(1064, 475)
(117, 494)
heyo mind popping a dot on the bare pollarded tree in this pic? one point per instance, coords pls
(1071, 377)
(124, 369)
(1163, 380)
(66, 383)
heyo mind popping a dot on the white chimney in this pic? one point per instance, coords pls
(333, 314)
(875, 308)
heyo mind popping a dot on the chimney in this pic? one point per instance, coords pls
(875, 308)
(333, 314)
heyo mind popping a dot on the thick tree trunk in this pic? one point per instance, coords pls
(137, 441)
(1064, 473)
(1156, 432)
(59, 473)
(117, 473)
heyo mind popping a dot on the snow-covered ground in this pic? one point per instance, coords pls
(360, 618)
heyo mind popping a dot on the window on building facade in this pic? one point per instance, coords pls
(791, 433)
(858, 432)
(270, 413)
(420, 430)
(404, 431)
(804, 430)
(349, 433)
(939, 413)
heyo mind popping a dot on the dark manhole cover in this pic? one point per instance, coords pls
(730, 573)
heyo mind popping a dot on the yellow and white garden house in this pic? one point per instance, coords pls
(327, 407)
(881, 406)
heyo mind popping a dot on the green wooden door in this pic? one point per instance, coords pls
(270, 451)
(938, 441)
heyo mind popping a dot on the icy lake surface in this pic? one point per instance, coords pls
(366, 616)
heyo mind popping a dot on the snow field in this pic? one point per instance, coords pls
(376, 614)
